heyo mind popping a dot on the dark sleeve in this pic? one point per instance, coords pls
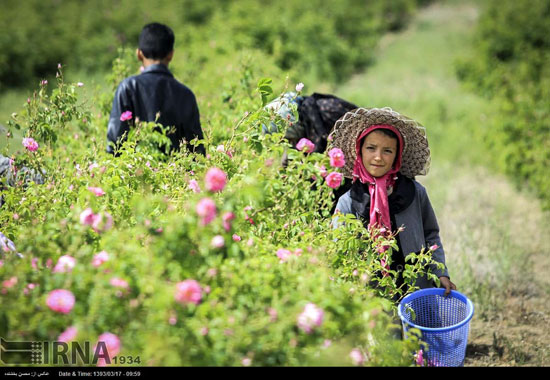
(117, 129)
(431, 234)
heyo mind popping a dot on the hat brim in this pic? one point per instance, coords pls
(416, 152)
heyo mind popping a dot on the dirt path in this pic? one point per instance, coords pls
(496, 237)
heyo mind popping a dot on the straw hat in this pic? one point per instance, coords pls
(416, 152)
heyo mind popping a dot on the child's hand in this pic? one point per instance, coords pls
(446, 283)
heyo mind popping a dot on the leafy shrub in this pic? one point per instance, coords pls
(327, 40)
(510, 65)
(258, 278)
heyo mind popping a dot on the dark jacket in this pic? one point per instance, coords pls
(155, 91)
(410, 207)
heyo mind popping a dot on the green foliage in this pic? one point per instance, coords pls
(326, 40)
(511, 66)
(251, 297)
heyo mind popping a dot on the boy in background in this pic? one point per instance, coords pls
(155, 92)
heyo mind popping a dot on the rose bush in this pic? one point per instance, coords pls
(248, 271)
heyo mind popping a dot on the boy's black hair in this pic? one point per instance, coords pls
(156, 41)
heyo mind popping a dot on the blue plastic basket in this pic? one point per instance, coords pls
(444, 323)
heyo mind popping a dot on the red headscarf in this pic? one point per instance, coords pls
(378, 186)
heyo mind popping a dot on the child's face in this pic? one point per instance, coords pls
(378, 153)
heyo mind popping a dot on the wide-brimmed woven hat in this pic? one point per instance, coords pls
(416, 152)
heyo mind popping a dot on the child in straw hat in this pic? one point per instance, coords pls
(384, 151)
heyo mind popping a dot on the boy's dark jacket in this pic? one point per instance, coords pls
(156, 90)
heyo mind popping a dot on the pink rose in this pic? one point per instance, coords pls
(102, 222)
(119, 283)
(9, 283)
(111, 344)
(127, 115)
(419, 358)
(334, 180)
(30, 144)
(206, 209)
(236, 237)
(87, 217)
(434, 247)
(299, 87)
(60, 300)
(188, 291)
(97, 191)
(311, 317)
(227, 218)
(215, 179)
(305, 145)
(357, 357)
(217, 241)
(100, 258)
(194, 185)
(65, 264)
(283, 254)
(337, 159)
(68, 335)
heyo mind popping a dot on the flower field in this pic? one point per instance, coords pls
(223, 259)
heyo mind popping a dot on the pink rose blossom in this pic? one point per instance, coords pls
(87, 217)
(283, 254)
(334, 180)
(434, 247)
(215, 179)
(30, 144)
(236, 237)
(65, 264)
(305, 145)
(119, 283)
(217, 241)
(419, 358)
(357, 357)
(188, 291)
(102, 222)
(60, 300)
(97, 191)
(227, 218)
(337, 159)
(9, 283)
(112, 345)
(127, 115)
(194, 185)
(299, 87)
(311, 317)
(100, 258)
(272, 314)
(68, 335)
(206, 209)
